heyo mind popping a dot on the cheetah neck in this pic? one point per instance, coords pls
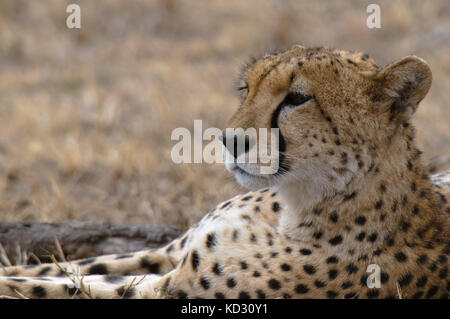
(392, 198)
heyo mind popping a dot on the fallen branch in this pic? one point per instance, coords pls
(80, 239)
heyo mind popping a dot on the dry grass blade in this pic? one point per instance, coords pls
(21, 296)
(60, 250)
(18, 255)
(75, 277)
(8, 297)
(21, 256)
(35, 258)
(131, 285)
(399, 291)
(4, 260)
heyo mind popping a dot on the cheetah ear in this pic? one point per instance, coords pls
(406, 82)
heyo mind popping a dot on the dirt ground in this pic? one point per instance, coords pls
(86, 115)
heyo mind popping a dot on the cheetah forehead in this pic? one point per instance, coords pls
(258, 67)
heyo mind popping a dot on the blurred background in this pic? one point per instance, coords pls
(86, 114)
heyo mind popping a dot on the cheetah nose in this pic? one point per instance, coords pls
(235, 144)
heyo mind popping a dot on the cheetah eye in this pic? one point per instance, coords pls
(243, 87)
(295, 99)
(243, 90)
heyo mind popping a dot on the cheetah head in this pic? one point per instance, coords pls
(337, 113)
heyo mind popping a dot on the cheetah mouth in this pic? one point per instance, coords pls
(248, 170)
(247, 177)
(239, 170)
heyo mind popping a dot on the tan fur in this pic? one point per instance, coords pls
(352, 192)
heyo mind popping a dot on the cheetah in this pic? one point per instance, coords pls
(350, 191)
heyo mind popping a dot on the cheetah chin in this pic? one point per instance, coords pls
(248, 176)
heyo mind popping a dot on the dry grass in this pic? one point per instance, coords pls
(86, 115)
